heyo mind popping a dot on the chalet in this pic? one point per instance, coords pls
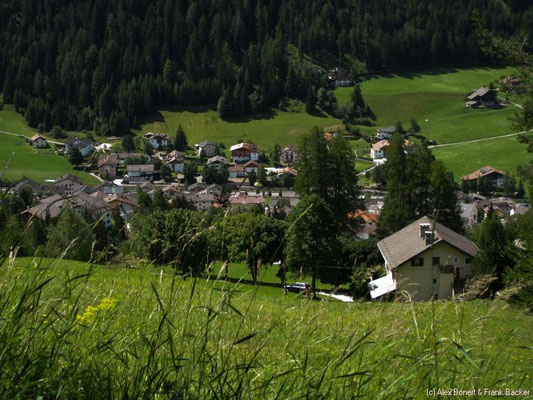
(288, 155)
(108, 188)
(244, 152)
(482, 97)
(37, 188)
(126, 204)
(288, 171)
(67, 185)
(171, 191)
(339, 77)
(175, 161)
(428, 260)
(469, 214)
(213, 189)
(207, 148)
(38, 141)
(84, 145)
(196, 187)
(369, 226)
(142, 171)
(107, 165)
(385, 133)
(158, 141)
(377, 152)
(488, 177)
(512, 84)
(53, 206)
(217, 161)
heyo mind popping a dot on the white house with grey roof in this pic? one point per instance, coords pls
(428, 260)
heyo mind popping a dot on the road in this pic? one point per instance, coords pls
(26, 137)
(479, 140)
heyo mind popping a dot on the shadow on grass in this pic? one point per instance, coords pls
(431, 71)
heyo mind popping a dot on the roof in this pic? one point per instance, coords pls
(79, 142)
(120, 198)
(217, 159)
(252, 163)
(407, 243)
(288, 170)
(53, 206)
(467, 209)
(482, 91)
(380, 145)
(108, 160)
(289, 148)
(35, 137)
(206, 143)
(487, 170)
(388, 129)
(151, 135)
(244, 146)
(69, 177)
(238, 198)
(368, 218)
(141, 168)
(174, 157)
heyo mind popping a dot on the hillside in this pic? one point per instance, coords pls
(127, 333)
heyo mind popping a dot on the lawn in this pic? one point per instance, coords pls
(13, 122)
(274, 126)
(505, 154)
(435, 98)
(22, 160)
(110, 332)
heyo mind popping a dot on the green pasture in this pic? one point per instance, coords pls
(74, 330)
(435, 98)
(504, 153)
(265, 129)
(18, 159)
(13, 122)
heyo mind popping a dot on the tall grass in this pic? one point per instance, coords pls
(70, 330)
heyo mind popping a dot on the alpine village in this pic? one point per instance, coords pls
(266, 199)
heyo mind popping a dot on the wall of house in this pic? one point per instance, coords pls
(419, 282)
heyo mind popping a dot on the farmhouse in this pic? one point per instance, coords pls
(158, 141)
(108, 188)
(175, 161)
(141, 171)
(488, 177)
(207, 148)
(239, 199)
(339, 77)
(84, 145)
(202, 202)
(37, 188)
(385, 133)
(287, 155)
(244, 152)
(126, 204)
(427, 259)
(377, 152)
(38, 141)
(107, 165)
(237, 171)
(468, 214)
(482, 97)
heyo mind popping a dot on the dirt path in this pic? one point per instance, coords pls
(27, 137)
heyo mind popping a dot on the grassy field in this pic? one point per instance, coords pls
(505, 154)
(435, 98)
(13, 122)
(283, 127)
(39, 165)
(72, 331)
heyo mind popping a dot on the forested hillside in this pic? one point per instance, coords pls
(101, 64)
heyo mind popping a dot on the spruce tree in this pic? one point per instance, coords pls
(180, 141)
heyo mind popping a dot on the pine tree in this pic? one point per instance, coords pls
(310, 102)
(415, 128)
(180, 141)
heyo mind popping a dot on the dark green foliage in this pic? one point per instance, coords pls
(128, 143)
(175, 238)
(180, 141)
(492, 258)
(213, 174)
(312, 246)
(75, 157)
(415, 128)
(310, 101)
(57, 133)
(190, 171)
(72, 236)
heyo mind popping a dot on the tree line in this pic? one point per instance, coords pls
(101, 65)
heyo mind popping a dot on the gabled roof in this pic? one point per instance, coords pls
(252, 163)
(108, 160)
(407, 243)
(141, 168)
(244, 146)
(389, 129)
(206, 143)
(482, 91)
(289, 148)
(174, 157)
(79, 142)
(35, 137)
(69, 177)
(217, 159)
(487, 170)
(380, 145)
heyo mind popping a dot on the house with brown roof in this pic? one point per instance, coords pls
(158, 141)
(489, 178)
(428, 260)
(240, 199)
(107, 165)
(84, 145)
(140, 171)
(482, 97)
(38, 141)
(339, 77)
(67, 185)
(244, 152)
(175, 161)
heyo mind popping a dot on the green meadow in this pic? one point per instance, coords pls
(74, 330)
(435, 98)
(13, 122)
(504, 153)
(18, 160)
(265, 129)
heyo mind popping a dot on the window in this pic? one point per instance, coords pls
(436, 260)
(417, 262)
(456, 260)
(434, 281)
(468, 260)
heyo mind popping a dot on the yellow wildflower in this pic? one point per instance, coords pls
(90, 312)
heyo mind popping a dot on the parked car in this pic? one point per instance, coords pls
(297, 287)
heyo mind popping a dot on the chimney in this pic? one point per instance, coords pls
(423, 228)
